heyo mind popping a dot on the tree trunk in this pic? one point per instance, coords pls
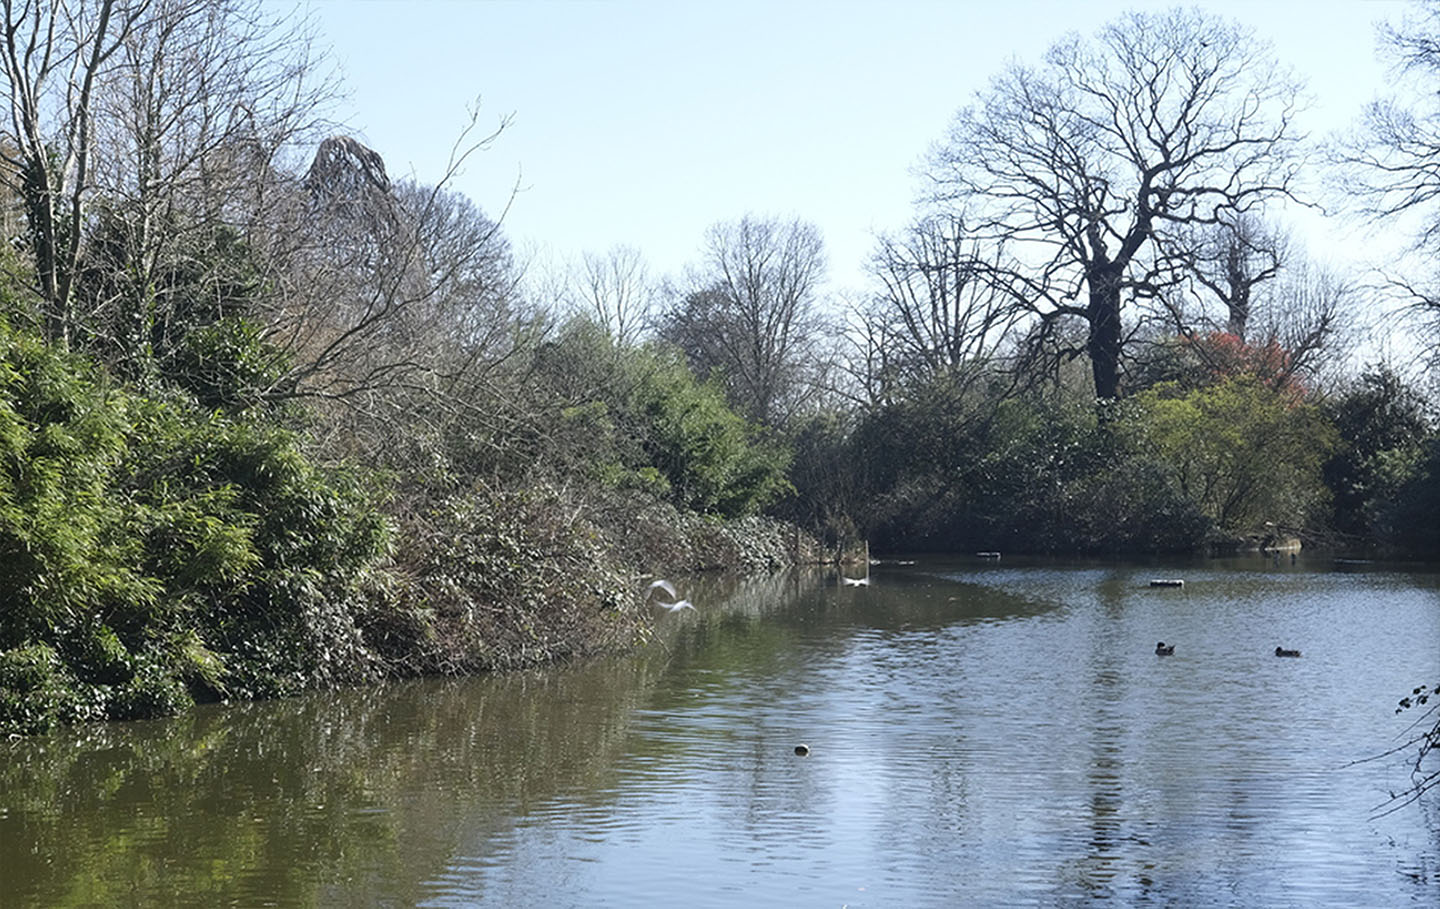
(1103, 345)
(1239, 315)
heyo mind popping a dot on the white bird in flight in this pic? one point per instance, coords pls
(669, 588)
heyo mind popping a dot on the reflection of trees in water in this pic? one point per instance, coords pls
(347, 797)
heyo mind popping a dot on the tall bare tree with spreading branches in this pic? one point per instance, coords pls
(752, 314)
(142, 134)
(1079, 165)
(54, 54)
(1233, 260)
(615, 290)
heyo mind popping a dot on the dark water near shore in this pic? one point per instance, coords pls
(980, 733)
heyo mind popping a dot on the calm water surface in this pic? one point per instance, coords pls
(980, 734)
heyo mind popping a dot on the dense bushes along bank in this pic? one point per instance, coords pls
(1204, 463)
(156, 552)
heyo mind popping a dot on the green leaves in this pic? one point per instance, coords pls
(152, 546)
(227, 363)
(1243, 451)
(713, 459)
(638, 419)
(61, 438)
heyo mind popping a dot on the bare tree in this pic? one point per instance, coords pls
(424, 301)
(1167, 121)
(1273, 299)
(152, 143)
(1392, 163)
(1300, 324)
(870, 377)
(1309, 314)
(394, 282)
(54, 53)
(939, 311)
(1233, 259)
(469, 299)
(401, 319)
(204, 114)
(615, 290)
(751, 314)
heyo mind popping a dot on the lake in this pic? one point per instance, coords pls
(980, 733)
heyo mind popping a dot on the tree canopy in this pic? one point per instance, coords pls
(1084, 169)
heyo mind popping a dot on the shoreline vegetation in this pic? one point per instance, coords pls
(161, 553)
(271, 420)
(158, 554)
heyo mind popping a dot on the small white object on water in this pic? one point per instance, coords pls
(1167, 582)
(855, 582)
(987, 555)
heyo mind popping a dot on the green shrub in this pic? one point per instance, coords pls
(63, 535)
(155, 690)
(27, 669)
(1243, 452)
(1382, 426)
(34, 693)
(1406, 522)
(636, 418)
(227, 363)
(713, 460)
(951, 471)
(155, 545)
(498, 579)
(96, 654)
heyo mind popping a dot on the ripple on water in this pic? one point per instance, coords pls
(986, 737)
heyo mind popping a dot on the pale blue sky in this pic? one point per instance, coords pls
(644, 122)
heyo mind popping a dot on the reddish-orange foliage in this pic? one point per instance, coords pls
(1223, 355)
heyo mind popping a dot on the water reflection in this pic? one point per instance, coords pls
(981, 734)
(309, 801)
